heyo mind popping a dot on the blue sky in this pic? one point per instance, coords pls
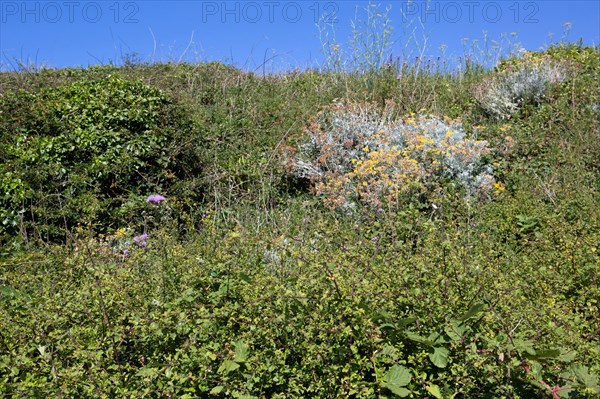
(283, 33)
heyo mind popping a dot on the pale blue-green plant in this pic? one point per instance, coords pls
(503, 94)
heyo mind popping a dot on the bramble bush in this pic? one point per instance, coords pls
(357, 154)
(87, 152)
(331, 313)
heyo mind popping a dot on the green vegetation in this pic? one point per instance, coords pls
(467, 267)
(87, 151)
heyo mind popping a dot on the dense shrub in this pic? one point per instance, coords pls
(405, 304)
(85, 152)
(357, 154)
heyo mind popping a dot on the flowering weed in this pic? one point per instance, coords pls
(155, 199)
(141, 240)
(356, 154)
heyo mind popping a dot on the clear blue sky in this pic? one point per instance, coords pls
(246, 33)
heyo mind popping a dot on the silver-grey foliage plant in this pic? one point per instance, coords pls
(346, 135)
(502, 95)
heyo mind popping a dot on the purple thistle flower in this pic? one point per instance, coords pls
(155, 199)
(126, 252)
(141, 240)
(141, 237)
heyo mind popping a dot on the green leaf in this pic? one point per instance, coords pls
(585, 377)
(406, 321)
(239, 395)
(395, 379)
(544, 354)
(241, 351)
(455, 330)
(389, 351)
(217, 390)
(436, 338)
(417, 338)
(567, 356)
(400, 391)
(473, 311)
(566, 393)
(245, 277)
(536, 370)
(434, 390)
(228, 366)
(147, 372)
(439, 356)
(525, 345)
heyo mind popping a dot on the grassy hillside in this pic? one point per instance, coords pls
(191, 231)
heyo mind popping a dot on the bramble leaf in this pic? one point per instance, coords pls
(473, 311)
(584, 376)
(241, 351)
(439, 356)
(396, 378)
(228, 366)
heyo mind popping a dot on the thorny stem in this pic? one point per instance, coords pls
(553, 390)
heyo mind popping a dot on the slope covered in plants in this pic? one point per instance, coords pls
(191, 231)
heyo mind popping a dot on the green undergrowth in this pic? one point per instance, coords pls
(243, 283)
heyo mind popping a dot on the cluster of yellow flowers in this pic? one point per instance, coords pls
(379, 161)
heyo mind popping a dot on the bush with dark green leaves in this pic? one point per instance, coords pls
(89, 152)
